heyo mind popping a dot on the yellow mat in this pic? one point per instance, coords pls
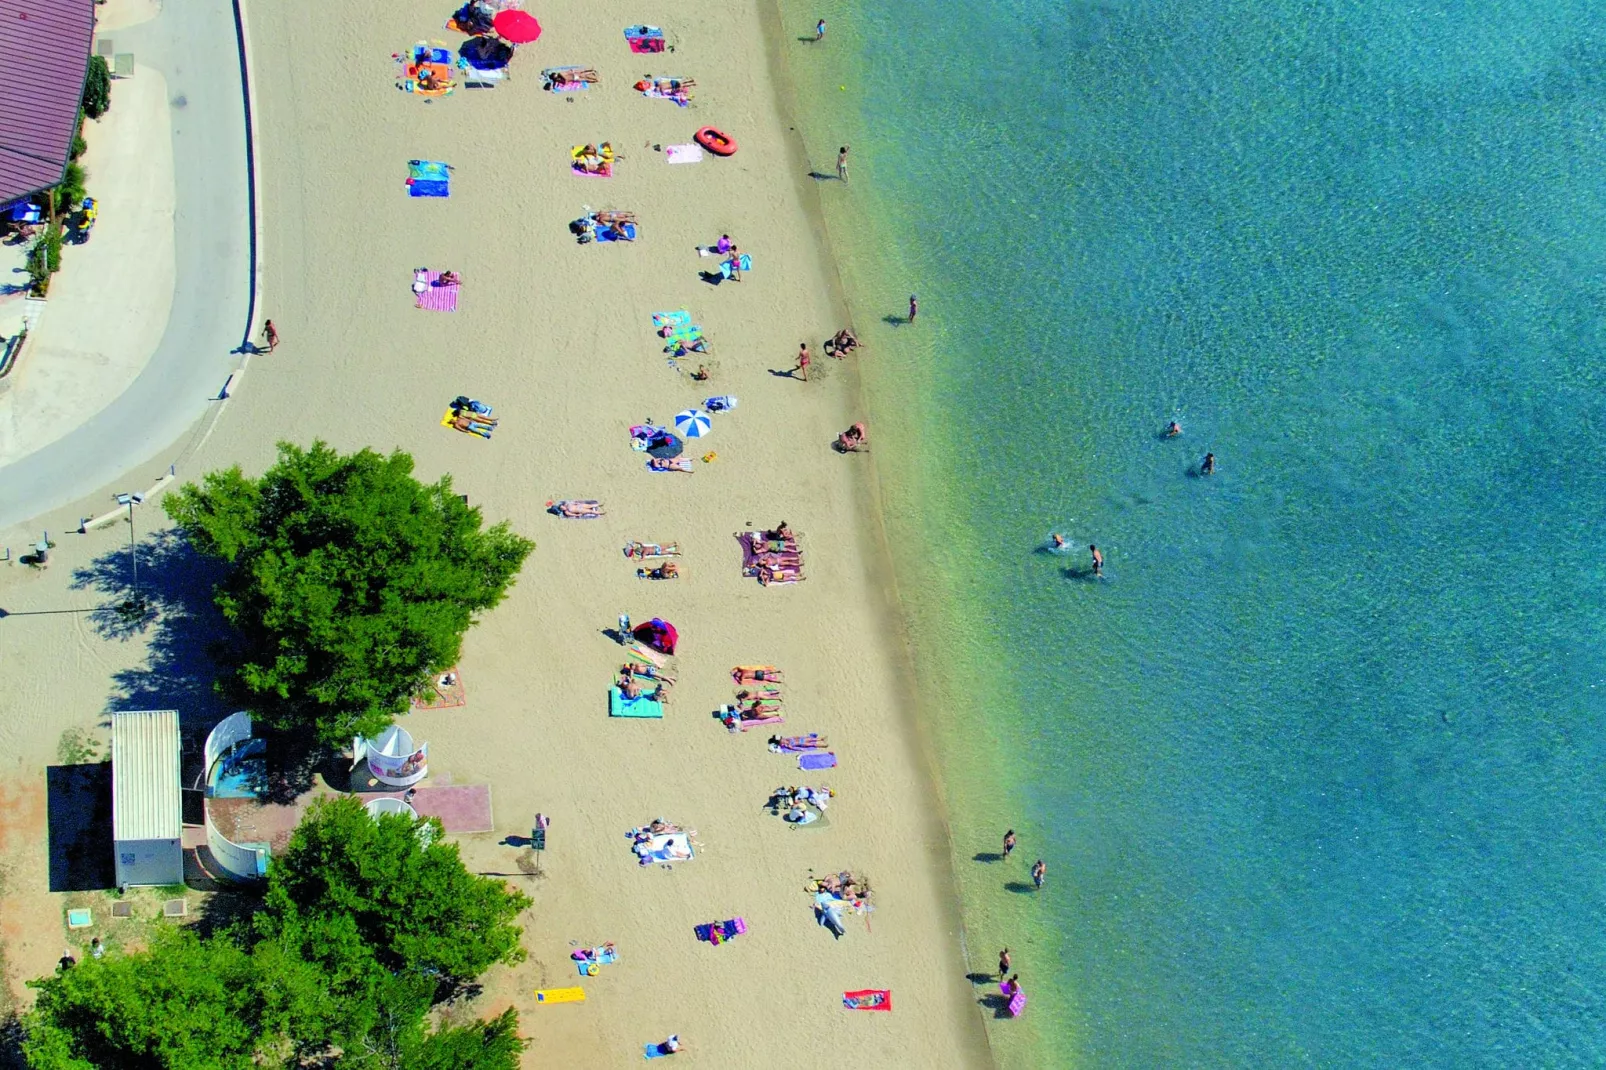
(560, 995)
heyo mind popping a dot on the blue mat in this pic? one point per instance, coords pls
(428, 178)
(746, 262)
(605, 233)
(619, 706)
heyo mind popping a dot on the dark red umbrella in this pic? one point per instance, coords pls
(516, 27)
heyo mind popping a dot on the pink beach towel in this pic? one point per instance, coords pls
(436, 298)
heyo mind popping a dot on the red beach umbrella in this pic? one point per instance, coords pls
(516, 27)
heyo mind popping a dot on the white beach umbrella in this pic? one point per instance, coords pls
(692, 424)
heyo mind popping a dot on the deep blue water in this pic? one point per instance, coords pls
(1319, 762)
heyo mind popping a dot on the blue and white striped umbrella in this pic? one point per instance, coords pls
(692, 424)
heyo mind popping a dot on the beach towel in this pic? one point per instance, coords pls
(607, 234)
(450, 420)
(683, 153)
(428, 178)
(719, 931)
(641, 706)
(678, 91)
(552, 85)
(666, 847)
(644, 40)
(660, 320)
(591, 960)
(725, 267)
(657, 1050)
(560, 995)
(826, 760)
(796, 744)
(720, 403)
(868, 999)
(1017, 1000)
(435, 298)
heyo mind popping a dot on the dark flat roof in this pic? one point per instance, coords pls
(44, 55)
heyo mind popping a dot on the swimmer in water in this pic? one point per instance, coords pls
(1098, 561)
(1208, 465)
(1059, 540)
(1173, 429)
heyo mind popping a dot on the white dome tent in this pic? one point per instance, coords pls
(392, 758)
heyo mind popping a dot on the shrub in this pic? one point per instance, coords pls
(97, 88)
(71, 191)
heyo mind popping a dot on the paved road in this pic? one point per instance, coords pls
(193, 44)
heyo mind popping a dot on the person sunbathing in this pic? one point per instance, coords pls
(617, 232)
(628, 686)
(696, 345)
(449, 278)
(474, 415)
(471, 425)
(666, 571)
(579, 509)
(562, 79)
(614, 217)
(425, 77)
(669, 464)
(746, 675)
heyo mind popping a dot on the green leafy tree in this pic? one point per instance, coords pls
(396, 1037)
(182, 1004)
(352, 888)
(97, 88)
(350, 582)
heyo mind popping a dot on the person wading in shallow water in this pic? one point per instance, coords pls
(1208, 465)
(1003, 964)
(1098, 561)
(1009, 843)
(1039, 871)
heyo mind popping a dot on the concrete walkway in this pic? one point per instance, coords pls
(192, 43)
(108, 305)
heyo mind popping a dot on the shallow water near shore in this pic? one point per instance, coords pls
(1316, 764)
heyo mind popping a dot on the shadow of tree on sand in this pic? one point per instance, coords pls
(187, 641)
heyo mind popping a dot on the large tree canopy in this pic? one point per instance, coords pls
(182, 1004)
(351, 885)
(350, 582)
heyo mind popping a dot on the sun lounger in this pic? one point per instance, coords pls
(640, 707)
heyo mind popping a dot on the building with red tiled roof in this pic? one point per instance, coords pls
(44, 59)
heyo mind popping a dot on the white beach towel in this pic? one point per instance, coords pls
(683, 153)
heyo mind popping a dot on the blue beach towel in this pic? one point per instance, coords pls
(428, 178)
(817, 761)
(725, 267)
(606, 234)
(619, 706)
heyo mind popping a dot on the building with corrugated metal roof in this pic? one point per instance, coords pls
(147, 798)
(44, 54)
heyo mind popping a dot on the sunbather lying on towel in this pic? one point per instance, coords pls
(639, 550)
(666, 571)
(576, 509)
(669, 464)
(473, 425)
(770, 575)
(747, 674)
(557, 80)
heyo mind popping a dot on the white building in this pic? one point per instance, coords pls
(147, 798)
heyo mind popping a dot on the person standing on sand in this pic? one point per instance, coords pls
(270, 334)
(802, 363)
(1039, 871)
(1098, 570)
(819, 31)
(914, 308)
(842, 163)
(1009, 843)
(1003, 964)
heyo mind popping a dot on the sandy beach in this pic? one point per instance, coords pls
(558, 338)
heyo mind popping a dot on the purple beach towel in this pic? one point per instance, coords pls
(817, 761)
(437, 298)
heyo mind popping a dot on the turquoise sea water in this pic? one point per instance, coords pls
(1318, 765)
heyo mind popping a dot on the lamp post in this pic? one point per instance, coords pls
(134, 604)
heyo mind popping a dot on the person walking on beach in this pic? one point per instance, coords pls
(1098, 564)
(1039, 871)
(819, 31)
(1009, 843)
(735, 262)
(801, 370)
(914, 308)
(842, 163)
(270, 334)
(1003, 964)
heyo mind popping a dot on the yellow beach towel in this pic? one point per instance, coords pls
(560, 995)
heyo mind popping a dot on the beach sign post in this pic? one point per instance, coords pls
(538, 838)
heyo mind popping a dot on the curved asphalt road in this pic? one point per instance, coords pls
(195, 46)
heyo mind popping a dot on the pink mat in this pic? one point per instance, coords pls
(461, 807)
(437, 298)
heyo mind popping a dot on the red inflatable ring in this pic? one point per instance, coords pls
(716, 141)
